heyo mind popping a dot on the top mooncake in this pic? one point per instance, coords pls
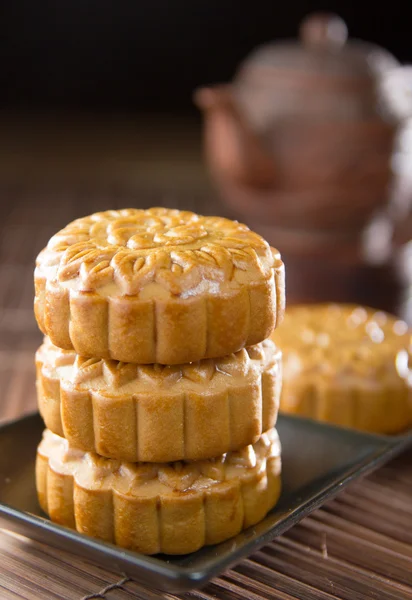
(157, 286)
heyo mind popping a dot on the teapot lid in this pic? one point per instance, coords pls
(323, 52)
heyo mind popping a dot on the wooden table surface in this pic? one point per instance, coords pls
(359, 546)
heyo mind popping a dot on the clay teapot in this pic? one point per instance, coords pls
(304, 135)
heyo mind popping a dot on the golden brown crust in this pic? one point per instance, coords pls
(348, 365)
(150, 508)
(159, 413)
(157, 286)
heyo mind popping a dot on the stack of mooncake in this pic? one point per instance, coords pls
(156, 380)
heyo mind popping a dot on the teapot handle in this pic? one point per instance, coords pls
(234, 150)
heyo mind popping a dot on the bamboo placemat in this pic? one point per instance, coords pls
(358, 547)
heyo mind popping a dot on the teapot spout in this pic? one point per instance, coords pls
(234, 151)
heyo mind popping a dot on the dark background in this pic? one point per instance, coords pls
(149, 54)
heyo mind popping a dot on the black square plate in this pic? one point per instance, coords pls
(318, 461)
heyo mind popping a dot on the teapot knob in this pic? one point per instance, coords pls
(323, 30)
